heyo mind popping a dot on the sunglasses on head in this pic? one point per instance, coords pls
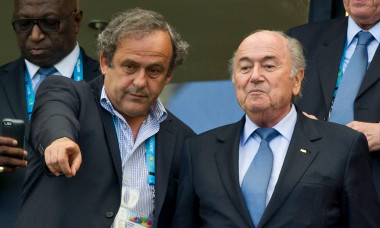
(47, 25)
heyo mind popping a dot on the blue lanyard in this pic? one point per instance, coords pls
(78, 76)
(340, 73)
(150, 147)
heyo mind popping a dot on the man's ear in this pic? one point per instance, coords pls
(169, 77)
(103, 64)
(298, 81)
(78, 20)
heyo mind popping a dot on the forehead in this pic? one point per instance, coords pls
(41, 8)
(154, 45)
(263, 45)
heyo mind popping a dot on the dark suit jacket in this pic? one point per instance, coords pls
(91, 198)
(323, 43)
(13, 105)
(328, 186)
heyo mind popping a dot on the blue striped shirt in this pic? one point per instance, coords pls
(132, 153)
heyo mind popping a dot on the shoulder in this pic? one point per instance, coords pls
(315, 27)
(91, 67)
(11, 66)
(223, 133)
(332, 133)
(174, 124)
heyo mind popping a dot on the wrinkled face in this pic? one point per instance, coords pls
(366, 13)
(262, 79)
(138, 73)
(46, 49)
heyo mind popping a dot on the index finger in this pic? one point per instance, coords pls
(63, 161)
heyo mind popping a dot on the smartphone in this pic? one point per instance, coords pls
(14, 128)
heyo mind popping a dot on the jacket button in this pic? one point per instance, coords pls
(109, 214)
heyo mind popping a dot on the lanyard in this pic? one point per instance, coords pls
(78, 76)
(150, 147)
(340, 73)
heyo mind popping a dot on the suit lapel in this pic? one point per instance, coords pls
(165, 146)
(300, 155)
(227, 161)
(109, 127)
(373, 73)
(329, 58)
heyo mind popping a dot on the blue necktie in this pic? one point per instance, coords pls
(343, 108)
(44, 72)
(256, 180)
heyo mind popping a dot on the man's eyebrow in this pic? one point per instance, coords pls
(268, 57)
(245, 59)
(129, 61)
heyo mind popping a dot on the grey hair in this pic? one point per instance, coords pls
(296, 53)
(138, 23)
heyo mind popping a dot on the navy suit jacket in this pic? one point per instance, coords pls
(13, 105)
(325, 180)
(323, 44)
(91, 198)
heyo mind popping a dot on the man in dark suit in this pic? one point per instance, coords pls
(329, 46)
(307, 173)
(48, 41)
(112, 138)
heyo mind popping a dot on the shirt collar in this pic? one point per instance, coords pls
(64, 67)
(285, 127)
(353, 29)
(157, 111)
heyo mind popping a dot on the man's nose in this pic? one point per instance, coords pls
(36, 34)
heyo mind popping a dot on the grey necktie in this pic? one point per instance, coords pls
(343, 108)
(256, 180)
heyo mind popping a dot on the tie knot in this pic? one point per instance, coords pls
(267, 133)
(47, 71)
(364, 38)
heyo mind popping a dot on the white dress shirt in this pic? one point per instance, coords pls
(279, 145)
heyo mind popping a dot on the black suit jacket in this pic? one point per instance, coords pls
(13, 105)
(91, 198)
(328, 186)
(323, 43)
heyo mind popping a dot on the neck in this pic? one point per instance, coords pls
(135, 124)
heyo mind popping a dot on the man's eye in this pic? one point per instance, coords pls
(129, 68)
(154, 72)
(269, 67)
(245, 69)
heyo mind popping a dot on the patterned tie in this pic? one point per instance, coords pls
(256, 180)
(44, 72)
(343, 108)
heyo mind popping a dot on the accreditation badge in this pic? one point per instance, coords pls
(126, 217)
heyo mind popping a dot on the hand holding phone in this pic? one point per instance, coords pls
(14, 128)
(12, 154)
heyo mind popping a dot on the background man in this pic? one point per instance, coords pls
(329, 47)
(129, 144)
(46, 32)
(302, 173)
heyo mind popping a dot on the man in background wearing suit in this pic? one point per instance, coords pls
(46, 32)
(329, 46)
(275, 167)
(112, 136)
